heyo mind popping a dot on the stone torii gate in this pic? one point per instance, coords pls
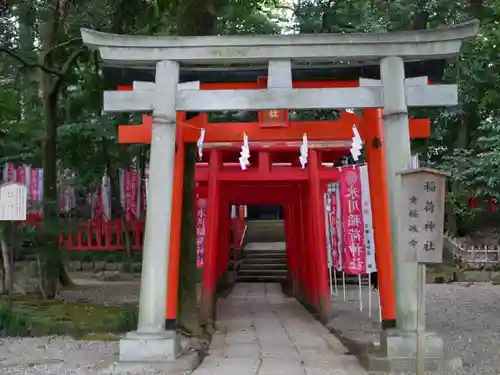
(164, 98)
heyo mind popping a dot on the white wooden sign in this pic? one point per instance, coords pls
(422, 214)
(13, 197)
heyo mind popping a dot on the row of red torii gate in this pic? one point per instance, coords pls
(276, 177)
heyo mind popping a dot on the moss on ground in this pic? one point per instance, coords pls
(442, 274)
(30, 316)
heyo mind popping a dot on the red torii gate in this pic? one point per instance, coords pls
(299, 190)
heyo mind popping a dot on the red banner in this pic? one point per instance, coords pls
(332, 223)
(21, 175)
(98, 205)
(130, 191)
(133, 193)
(34, 191)
(201, 213)
(11, 173)
(354, 249)
(143, 194)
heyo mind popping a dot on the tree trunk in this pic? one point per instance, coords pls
(188, 316)
(5, 272)
(421, 17)
(29, 92)
(51, 257)
(468, 121)
(194, 18)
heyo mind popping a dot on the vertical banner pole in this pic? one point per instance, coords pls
(331, 282)
(421, 319)
(370, 296)
(360, 293)
(379, 308)
(335, 280)
(343, 286)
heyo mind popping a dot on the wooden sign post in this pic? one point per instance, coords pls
(422, 217)
(13, 202)
(13, 197)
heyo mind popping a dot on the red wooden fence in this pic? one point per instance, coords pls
(109, 235)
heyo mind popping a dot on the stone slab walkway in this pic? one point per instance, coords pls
(263, 332)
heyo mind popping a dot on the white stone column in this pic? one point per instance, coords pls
(398, 156)
(151, 341)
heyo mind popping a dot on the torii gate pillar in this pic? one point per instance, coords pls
(151, 343)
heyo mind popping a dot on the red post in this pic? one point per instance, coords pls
(225, 240)
(372, 133)
(299, 247)
(209, 277)
(241, 227)
(290, 243)
(175, 231)
(306, 228)
(318, 222)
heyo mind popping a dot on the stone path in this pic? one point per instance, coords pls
(263, 332)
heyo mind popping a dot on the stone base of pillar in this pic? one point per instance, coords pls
(154, 347)
(182, 365)
(152, 354)
(396, 353)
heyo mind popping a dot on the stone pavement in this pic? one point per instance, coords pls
(260, 331)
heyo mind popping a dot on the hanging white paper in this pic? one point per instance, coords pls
(303, 151)
(245, 153)
(357, 144)
(200, 143)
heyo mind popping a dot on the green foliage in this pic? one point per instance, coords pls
(32, 317)
(14, 323)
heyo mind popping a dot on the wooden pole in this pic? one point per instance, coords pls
(320, 259)
(209, 278)
(175, 230)
(372, 132)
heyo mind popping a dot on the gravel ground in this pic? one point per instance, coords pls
(63, 355)
(113, 293)
(467, 316)
(55, 356)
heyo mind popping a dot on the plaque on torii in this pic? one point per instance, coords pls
(272, 118)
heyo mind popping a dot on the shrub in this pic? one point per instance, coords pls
(127, 319)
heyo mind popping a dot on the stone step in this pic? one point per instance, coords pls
(261, 279)
(263, 262)
(262, 272)
(264, 254)
(265, 230)
(268, 260)
(266, 246)
(263, 266)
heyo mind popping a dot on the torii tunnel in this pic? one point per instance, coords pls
(275, 177)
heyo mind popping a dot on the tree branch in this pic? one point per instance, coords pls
(294, 10)
(63, 44)
(327, 7)
(421, 17)
(72, 59)
(66, 67)
(27, 63)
